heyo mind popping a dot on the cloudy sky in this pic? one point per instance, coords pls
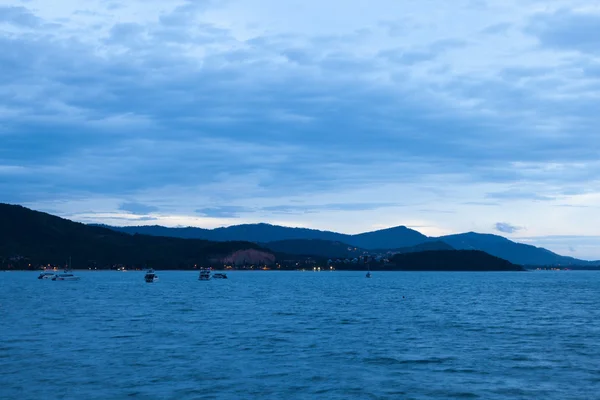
(444, 116)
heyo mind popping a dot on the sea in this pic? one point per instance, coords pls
(301, 335)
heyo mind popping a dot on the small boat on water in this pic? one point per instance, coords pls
(205, 274)
(65, 276)
(369, 273)
(47, 275)
(219, 275)
(151, 276)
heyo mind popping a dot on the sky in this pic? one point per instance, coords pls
(354, 115)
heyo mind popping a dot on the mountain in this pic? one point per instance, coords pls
(517, 253)
(32, 237)
(332, 249)
(29, 239)
(397, 238)
(259, 233)
(451, 260)
(390, 238)
(433, 245)
(400, 236)
(314, 248)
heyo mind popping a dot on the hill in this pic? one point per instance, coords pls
(393, 239)
(517, 253)
(42, 236)
(259, 233)
(331, 249)
(397, 237)
(32, 237)
(390, 238)
(314, 248)
(433, 245)
(450, 260)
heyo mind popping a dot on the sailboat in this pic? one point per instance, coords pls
(67, 275)
(369, 273)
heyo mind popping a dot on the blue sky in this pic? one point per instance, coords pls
(473, 115)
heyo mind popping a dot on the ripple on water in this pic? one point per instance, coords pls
(302, 335)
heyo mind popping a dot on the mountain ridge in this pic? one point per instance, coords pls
(31, 240)
(384, 239)
(264, 233)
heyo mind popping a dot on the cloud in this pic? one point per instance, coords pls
(185, 14)
(235, 211)
(19, 16)
(306, 208)
(507, 228)
(223, 211)
(568, 30)
(516, 194)
(414, 56)
(138, 208)
(211, 106)
(482, 203)
(495, 29)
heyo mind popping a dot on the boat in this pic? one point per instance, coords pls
(47, 275)
(150, 276)
(65, 276)
(369, 273)
(204, 274)
(219, 275)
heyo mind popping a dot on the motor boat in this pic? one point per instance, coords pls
(65, 276)
(47, 275)
(205, 274)
(151, 276)
(219, 275)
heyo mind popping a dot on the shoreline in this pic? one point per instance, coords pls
(309, 270)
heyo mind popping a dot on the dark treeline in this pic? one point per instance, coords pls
(29, 239)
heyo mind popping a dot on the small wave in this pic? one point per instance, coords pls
(434, 360)
(349, 322)
(392, 361)
(464, 371)
(123, 336)
(382, 361)
(463, 395)
(284, 314)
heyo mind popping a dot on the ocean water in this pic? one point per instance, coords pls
(301, 335)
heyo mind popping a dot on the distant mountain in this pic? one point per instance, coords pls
(332, 249)
(259, 233)
(517, 253)
(434, 245)
(451, 260)
(393, 238)
(32, 237)
(400, 236)
(390, 238)
(29, 239)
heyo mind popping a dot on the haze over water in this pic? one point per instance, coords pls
(300, 335)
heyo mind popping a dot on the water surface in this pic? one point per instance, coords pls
(301, 335)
